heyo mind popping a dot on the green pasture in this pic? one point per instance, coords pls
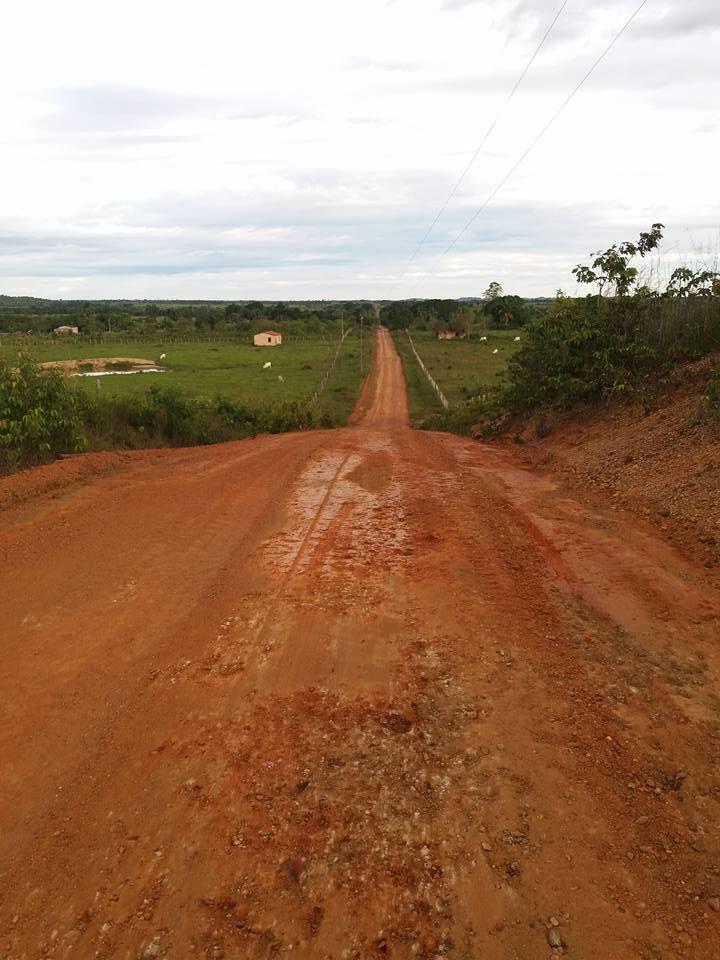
(224, 368)
(461, 368)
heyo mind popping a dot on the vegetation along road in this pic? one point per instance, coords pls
(348, 694)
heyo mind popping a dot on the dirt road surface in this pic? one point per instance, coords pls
(360, 693)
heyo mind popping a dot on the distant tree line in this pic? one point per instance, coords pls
(137, 317)
(494, 311)
(95, 318)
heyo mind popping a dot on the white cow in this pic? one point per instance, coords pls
(482, 339)
(281, 378)
(266, 365)
(162, 356)
(517, 339)
(495, 350)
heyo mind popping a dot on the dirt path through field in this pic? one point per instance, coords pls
(360, 693)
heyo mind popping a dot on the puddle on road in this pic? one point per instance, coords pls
(353, 490)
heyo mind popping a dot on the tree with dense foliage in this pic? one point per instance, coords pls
(39, 416)
(507, 311)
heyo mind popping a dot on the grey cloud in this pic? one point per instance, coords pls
(577, 19)
(215, 233)
(325, 221)
(133, 113)
(105, 108)
(679, 19)
(625, 69)
(531, 249)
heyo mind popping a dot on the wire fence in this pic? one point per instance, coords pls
(326, 376)
(441, 396)
(28, 341)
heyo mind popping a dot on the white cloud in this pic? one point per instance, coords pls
(152, 148)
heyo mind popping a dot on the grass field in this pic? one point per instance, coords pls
(461, 368)
(233, 370)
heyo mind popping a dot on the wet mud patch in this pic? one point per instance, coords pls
(374, 473)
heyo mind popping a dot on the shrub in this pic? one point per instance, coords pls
(167, 417)
(39, 416)
(584, 351)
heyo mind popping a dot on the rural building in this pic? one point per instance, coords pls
(450, 335)
(64, 330)
(268, 338)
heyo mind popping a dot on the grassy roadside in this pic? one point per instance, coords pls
(423, 402)
(462, 369)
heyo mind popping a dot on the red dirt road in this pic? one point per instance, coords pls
(361, 693)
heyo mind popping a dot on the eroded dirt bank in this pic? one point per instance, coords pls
(661, 461)
(351, 694)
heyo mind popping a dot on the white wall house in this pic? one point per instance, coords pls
(268, 338)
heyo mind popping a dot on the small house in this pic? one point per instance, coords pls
(268, 338)
(450, 335)
(62, 331)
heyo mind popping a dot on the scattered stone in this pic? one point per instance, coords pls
(676, 781)
(486, 846)
(643, 820)
(714, 904)
(555, 940)
(152, 950)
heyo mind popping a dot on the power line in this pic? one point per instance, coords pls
(490, 129)
(544, 130)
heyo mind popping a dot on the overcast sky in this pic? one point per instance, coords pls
(285, 149)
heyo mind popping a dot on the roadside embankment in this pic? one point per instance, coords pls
(660, 460)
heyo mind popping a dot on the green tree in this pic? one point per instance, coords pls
(510, 311)
(493, 291)
(39, 416)
(611, 268)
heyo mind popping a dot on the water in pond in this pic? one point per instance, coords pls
(117, 373)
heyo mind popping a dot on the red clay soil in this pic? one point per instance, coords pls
(661, 462)
(360, 693)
